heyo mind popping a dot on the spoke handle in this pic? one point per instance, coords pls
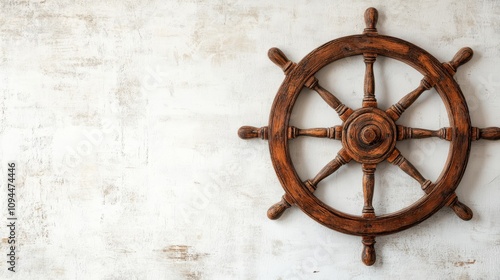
(488, 133)
(461, 57)
(368, 256)
(279, 208)
(280, 59)
(371, 19)
(462, 210)
(249, 132)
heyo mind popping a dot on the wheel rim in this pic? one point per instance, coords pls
(413, 56)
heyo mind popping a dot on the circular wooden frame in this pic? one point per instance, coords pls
(410, 54)
(369, 134)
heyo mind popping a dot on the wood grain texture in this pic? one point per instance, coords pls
(368, 255)
(342, 110)
(461, 57)
(279, 208)
(368, 189)
(369, 99)
(397, 109)
(404, 132)
(488, 133)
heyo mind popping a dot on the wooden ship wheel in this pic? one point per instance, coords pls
(369, 134)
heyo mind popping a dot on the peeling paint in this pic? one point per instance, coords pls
(465, 263)
(182, 253)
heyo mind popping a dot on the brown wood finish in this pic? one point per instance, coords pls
(370, 135)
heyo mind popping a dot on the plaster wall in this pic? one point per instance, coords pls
(121, 117)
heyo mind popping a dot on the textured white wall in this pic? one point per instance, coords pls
(122, 119)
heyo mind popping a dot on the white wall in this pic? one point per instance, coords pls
(122, 119)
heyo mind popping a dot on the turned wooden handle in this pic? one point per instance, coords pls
(371, 18)
(280, 59)
(278, 209)
(368, 255)
(404, 132)
(249, 132)
(490, 133)
(462, 210)
(461, 57)
(368, 186)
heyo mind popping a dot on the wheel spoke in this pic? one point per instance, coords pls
(334, 132)
(369, 99)
(249, 132)
(280, 59)
(341, 159)
(460, 209)
(368, 255)
(398, 159)
(286, 202)
(397, 109)
(404, 132)
(342, 110)
(368, 187)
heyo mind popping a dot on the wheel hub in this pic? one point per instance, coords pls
(369, 135)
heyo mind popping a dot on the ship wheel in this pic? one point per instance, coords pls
(369, 134)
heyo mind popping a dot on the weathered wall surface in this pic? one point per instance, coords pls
(122, 116)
